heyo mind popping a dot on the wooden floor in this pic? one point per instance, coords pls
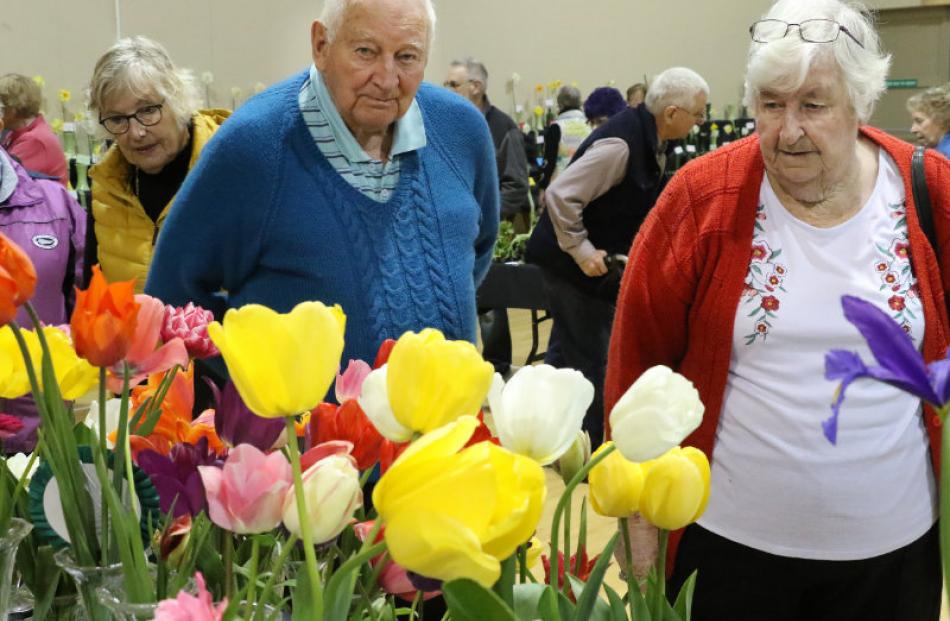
(600, 529)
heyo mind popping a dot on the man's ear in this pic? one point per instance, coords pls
(319, 42)
(668, 113)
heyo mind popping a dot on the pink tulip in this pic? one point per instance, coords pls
(190, 324)
(188, 607)
(146, 354)
(350, 383)
(247, 494)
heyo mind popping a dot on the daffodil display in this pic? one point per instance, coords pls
(281, 364)
(432, 381)
(457, 513)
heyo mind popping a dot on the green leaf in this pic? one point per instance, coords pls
(587, 598)
(339, 592)
(684, 599)
(641, 612)
(526, 597)
(617, 608)
(505, 585)
(547, 605)
(303, 599)
(565, 605)
(600, 610)
(469, 601)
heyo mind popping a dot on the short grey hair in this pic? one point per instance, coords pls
(569, 98)
(140, 66)
(476, 70)
(334, 10)
(677, 86)
(784, 64)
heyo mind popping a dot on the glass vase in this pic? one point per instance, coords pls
(9, 542)
(88, 581)
(125, 611)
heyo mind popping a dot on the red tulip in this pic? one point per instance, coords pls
(347, 422)
(393, 578)
(580, 567)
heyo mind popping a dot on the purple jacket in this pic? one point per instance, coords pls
(50, 226)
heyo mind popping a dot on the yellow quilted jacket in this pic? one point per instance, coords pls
(124, 232)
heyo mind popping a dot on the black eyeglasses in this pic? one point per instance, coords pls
(146, 116)
(453, 84)
(810, 30)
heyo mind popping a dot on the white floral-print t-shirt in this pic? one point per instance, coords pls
(778, 485)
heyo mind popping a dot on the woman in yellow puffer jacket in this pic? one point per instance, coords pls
(150, 107)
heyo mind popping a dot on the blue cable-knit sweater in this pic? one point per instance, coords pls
(263, 218)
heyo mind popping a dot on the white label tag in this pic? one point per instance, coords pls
(691, 148)
(540, 139)
(82, 160)
(678, 150)
(519, 109)
(69, 127)
(750, 125)
(549, 103)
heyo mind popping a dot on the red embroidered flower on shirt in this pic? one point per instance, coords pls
(881, 266)
(901, 249)
(770, 303)
(896, 302)
(760, 251)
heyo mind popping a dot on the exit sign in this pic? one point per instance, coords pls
(904, 83)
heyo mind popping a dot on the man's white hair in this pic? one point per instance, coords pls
(783, 65)
(334, 10)
(677, 86)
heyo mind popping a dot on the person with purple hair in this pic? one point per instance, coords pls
(602, 103)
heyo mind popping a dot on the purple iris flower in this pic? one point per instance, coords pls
(236, 424)
(176, 478)
(899, 362)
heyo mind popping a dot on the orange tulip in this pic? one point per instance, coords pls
(17, 279)
(103, 323)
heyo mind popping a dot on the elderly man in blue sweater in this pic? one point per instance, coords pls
(350, 183)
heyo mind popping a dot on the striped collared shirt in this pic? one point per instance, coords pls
(374, 178)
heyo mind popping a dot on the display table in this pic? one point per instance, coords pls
(517, 285)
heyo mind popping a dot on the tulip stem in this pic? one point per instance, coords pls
(104, 543)
(415, 606)
(660, 595)
(227, 556)
(252, 577)
(522, 563)
(312, 572)
(628, 563)
(555, 613)
(567, 546)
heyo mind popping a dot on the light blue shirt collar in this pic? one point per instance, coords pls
(410, 132)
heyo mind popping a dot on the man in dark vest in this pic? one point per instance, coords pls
(469, 78)
(594, 209)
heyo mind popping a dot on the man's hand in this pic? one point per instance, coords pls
(643, 542)
(594, 265)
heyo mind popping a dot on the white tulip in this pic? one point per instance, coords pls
(540, 410)
(374, 400)
(655, 414)
(112, 418)
(17, 464)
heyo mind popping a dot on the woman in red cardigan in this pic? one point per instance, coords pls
(735, 280)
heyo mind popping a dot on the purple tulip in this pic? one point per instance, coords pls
(176, 477)
(236, 424)
(899, 362)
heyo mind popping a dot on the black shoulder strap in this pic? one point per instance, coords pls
(918, 180)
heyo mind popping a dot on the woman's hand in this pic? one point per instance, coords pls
(644, 544)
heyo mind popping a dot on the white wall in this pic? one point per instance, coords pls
(243, 42)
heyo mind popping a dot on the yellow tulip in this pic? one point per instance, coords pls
(57, 124)
(676, 488)
(74, 375)
(615, 485)
(456, 513)
(281, 364)
(432, 381)
(65, 95)
(39, 80)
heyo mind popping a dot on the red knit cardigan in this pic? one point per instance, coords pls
(688, 264)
